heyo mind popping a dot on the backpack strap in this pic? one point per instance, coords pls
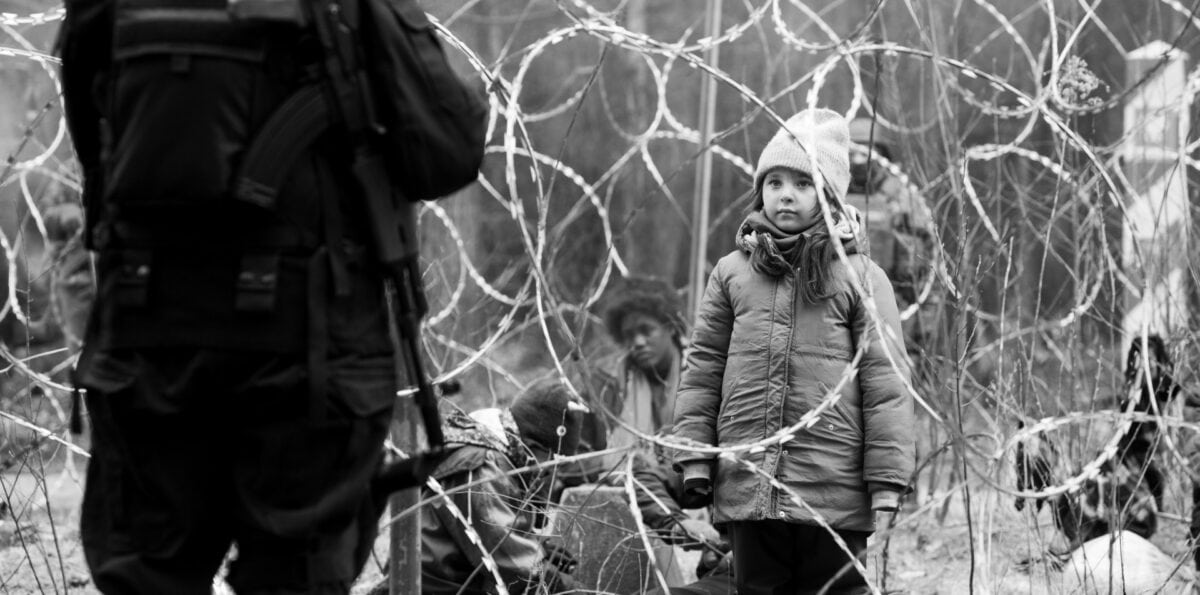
(327, 267)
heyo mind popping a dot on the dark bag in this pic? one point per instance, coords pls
(210, 101)
(184, 99)
(434, 123)
(410, 108)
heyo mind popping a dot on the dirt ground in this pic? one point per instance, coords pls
(40, 551)
(39, 532)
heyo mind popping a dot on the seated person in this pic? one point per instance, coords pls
(644, 319)
(504, 509)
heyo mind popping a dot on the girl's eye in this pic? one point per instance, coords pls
(804, 183)
(774, 183)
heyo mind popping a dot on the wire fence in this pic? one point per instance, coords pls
(1036, 240)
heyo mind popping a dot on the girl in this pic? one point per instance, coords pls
(778, 327)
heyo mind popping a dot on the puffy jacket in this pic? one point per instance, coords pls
(450, 561)
(761, 358)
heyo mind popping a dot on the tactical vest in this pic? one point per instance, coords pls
(182, 262)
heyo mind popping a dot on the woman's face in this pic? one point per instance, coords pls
(648, 340)
(790, 199)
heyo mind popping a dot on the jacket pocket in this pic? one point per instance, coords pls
(735, 403)
(841, 421)
(850, 416)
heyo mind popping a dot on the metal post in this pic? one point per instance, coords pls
(697, 277)
(404, 563)
(1155, 232)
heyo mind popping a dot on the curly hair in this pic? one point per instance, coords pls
(652, 297)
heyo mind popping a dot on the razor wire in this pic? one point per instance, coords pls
(519, 306)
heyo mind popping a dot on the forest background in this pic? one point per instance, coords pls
(1010, 124)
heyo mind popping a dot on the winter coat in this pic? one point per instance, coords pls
(497, 506)
(761, 359)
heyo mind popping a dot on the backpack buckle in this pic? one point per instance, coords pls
(133, 278)
(257, 279)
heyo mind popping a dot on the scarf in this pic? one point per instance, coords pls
(774, 252)
(640, 406)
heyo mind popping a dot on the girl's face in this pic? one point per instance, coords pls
(790, 199)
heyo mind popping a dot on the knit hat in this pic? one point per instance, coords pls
(826, 135)
(546, 415)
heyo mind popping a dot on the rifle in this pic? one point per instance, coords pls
(345, 100)
(350, 92)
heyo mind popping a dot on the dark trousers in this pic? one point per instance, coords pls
(781, 558)
(195, 450)
(1194, 527)
(719, 582)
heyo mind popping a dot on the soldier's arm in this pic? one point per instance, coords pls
(84, 45)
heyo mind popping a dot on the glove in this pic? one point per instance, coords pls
(697, 492)
(403, 473)
(558, 557)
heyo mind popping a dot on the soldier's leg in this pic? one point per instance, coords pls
(155, 518)
(303, 484)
